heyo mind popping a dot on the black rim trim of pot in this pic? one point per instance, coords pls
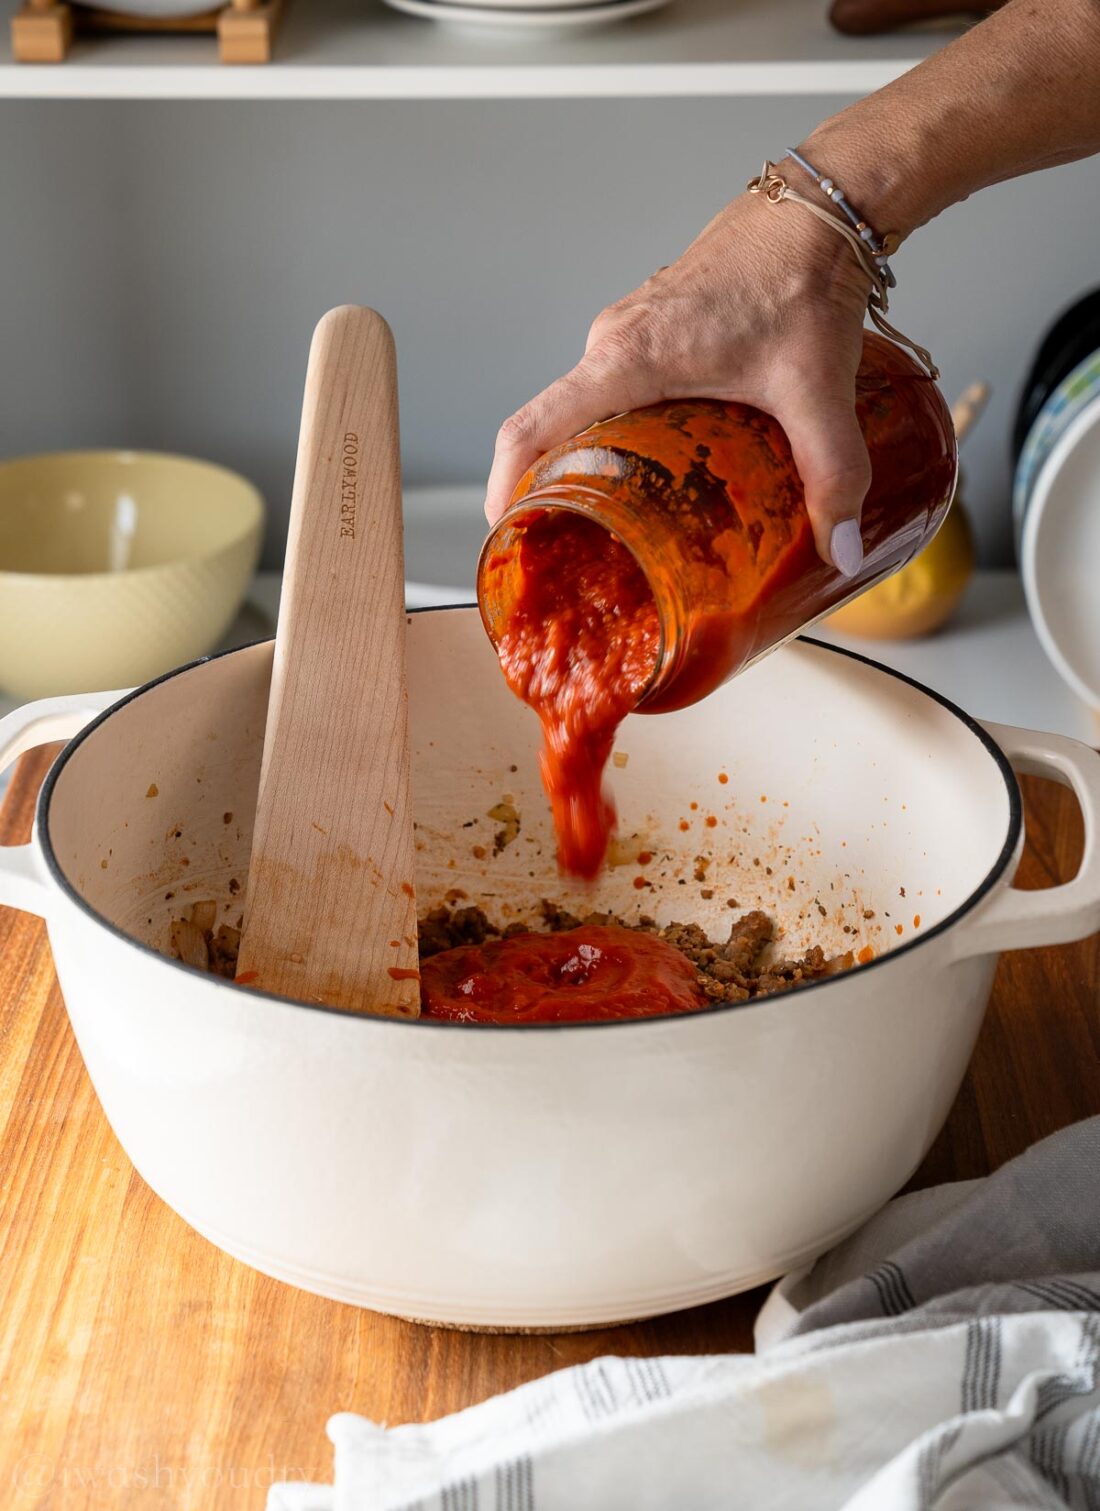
(761, 1004)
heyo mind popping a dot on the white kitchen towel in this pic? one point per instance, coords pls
(998, 1412)
(946, 1357)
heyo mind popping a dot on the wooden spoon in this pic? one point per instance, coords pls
(331, 908)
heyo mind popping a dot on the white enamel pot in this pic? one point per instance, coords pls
(559, 1175)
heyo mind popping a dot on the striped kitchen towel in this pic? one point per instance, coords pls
(945, 1358)
(1025, 1238)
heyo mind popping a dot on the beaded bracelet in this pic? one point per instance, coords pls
(775, 189)
(881, 246)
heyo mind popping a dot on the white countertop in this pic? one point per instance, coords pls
(988, 660)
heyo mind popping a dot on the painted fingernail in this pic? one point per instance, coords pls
(846, 547)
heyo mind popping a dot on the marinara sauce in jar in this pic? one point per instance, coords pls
(654, 556)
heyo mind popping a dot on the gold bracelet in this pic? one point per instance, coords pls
(775, 189)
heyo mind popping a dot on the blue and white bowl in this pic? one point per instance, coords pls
(1060, 554)
(1076, 392)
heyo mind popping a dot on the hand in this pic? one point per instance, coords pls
(765, 307)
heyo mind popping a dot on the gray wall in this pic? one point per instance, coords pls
(161, 265)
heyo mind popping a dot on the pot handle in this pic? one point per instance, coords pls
(22, 874)
(1014, 919)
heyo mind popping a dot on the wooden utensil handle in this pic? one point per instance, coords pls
(331, 909)
(967, 409)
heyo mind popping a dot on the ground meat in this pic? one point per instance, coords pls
(556, 919)
(729, 972)
(446, 928)
(196, 941)
(223, 945)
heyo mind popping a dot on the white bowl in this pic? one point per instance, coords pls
(546, 1176)
(1076, 392)
(157, 8)
(1060, 555)
(508, 16)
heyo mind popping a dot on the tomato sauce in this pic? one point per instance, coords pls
(664, 550)
(591, 974)
(580, 645)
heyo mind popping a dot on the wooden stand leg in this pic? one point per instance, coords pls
(246, 30)
(41, 31)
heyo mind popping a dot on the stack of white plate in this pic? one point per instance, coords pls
(1078, 391)
(1060, 552)
(521, 14)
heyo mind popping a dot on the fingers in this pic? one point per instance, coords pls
(596, 388)
(832, 461)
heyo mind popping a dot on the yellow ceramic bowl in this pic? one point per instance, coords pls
(115, 566)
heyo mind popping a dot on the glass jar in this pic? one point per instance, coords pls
(705, 496)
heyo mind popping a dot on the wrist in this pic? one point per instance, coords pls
(896, 154)
(886, 176)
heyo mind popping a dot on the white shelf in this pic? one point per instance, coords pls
(359, 49)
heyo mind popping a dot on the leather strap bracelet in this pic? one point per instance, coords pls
(775, 189)
(881, 246)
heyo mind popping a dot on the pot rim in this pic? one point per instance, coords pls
(761, 1004)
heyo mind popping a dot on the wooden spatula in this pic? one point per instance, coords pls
(331, 910)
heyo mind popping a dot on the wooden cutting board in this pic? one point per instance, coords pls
(139, 1367)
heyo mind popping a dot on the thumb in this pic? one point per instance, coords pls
(832, 461)
(597, 387)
